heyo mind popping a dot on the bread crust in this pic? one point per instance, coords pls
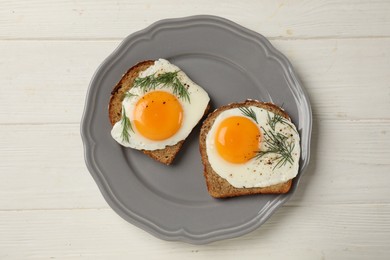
(166, 155)
(217, 186)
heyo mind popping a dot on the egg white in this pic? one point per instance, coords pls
(192, 111)
(255, 172)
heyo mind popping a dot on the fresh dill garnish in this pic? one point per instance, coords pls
(165, 80)
(129, 95)
(126, 126)
(246, 111)
(272, 121)
(277, 144)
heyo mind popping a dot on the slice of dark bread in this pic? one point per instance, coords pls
(217, 186)
(166, 155)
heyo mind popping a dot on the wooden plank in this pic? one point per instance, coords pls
(318, 232)
(107, 20)
(43, 167)
(48, 80)
(343, 77)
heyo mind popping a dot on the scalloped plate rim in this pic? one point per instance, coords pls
(182, 234)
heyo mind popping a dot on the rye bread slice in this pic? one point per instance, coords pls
(166, 155)
(217, 186)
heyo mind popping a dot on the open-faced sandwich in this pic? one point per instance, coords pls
(249, 148)
(154, 107)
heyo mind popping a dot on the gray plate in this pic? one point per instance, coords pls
(232, 63)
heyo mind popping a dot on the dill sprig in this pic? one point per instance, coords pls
(129, 95)
(246, 111)
(272, 121)
(277, 144)
(126, 126)
(165, 80)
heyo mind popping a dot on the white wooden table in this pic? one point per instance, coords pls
(50, 207)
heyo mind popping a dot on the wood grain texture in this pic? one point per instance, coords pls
(107, 20)
(50, 207)
(101, 234)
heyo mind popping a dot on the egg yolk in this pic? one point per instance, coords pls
(158, 115)
(237, 139)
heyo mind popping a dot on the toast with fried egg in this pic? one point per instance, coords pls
(165, 155)
(220, 187)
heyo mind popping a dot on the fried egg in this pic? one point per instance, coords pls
(158, 115)
(252, 147)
